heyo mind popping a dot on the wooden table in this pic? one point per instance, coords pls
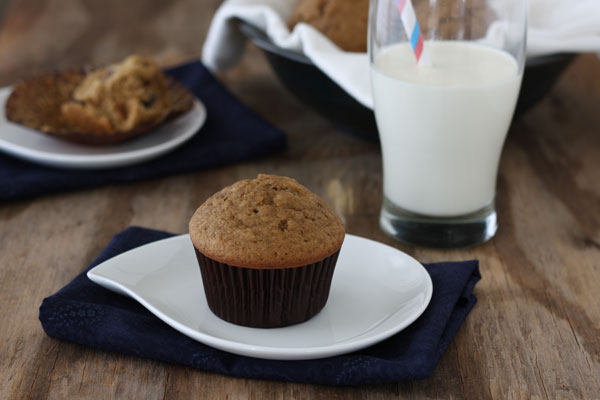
(535, 332)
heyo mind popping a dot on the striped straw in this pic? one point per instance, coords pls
(412, 28)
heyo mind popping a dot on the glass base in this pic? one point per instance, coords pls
(447, 232)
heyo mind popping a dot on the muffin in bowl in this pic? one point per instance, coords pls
(267, 249)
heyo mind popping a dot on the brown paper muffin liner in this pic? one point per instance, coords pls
(266, 298)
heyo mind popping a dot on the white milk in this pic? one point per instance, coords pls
(442, 127)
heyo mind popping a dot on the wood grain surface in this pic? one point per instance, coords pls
(535, 332)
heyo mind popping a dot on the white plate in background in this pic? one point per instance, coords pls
(40, 148)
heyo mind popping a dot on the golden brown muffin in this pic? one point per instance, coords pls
(342, 21)
(267, 249)
(119, 98)
(83, 108)
(454, 20)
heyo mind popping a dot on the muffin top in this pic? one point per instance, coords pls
(266, 223)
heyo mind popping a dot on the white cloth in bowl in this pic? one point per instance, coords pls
(555, 26)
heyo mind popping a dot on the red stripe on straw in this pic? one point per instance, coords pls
(419, 48)
(401, 4)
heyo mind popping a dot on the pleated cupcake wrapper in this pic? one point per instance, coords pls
(266, 298)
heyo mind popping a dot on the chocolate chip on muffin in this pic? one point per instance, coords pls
(116, 99)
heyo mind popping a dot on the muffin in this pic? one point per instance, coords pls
(267, 249)
(119, 98)
(105, 106)
(343, 21)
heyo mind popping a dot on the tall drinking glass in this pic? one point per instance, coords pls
(442, 120)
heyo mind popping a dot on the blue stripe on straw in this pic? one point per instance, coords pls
(414, 37)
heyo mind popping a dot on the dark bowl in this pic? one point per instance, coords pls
(319, 92)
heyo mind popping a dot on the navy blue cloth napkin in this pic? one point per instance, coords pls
(231, 133)
(86, 313)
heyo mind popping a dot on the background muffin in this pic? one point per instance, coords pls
(104, 106)
(267, 249)
(343, 21)
(119, 98)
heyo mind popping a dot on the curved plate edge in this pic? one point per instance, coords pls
(272, 353)
(101, 161)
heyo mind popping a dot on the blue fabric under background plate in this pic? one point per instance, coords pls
(232, 133)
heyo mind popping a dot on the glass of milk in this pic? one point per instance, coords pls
(442, 122)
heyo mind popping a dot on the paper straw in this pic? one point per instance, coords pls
(413, 30)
